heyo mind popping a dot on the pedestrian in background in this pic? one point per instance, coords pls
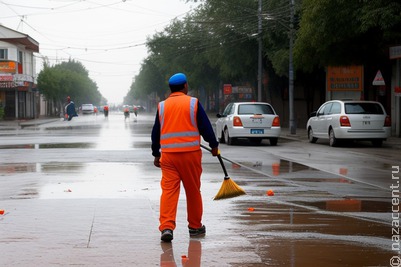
(179, 124)
(106, 110)
(70, 109)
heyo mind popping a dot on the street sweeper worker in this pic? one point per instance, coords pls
(179, 124)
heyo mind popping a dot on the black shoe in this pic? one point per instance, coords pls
(197, 232)
(167, 235)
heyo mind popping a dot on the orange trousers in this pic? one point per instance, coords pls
(185, 167)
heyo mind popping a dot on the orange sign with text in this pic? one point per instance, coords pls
(8, 67)
(227, 89)
(345, 78)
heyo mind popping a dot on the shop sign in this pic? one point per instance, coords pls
(397, 90)
(395, 52)
(7, 84)
(23, 78)
(8, 67)
(6, 78)
(227, 89)
(344, 78)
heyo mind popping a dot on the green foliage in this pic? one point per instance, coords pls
(208, 45)
(218, 42)
(68, 79)
(334, 32)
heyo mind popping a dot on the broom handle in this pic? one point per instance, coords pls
(220, 160)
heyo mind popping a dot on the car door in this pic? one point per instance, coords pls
(223, 118)
(333, 116)
(323, 118)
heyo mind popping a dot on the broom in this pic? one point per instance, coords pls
(229, 188)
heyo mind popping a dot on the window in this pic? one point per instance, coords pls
(3, 53)
(20, 57)
(228, 110)
(324, 110)
(363, 108)
(254, 109)
(335, 108)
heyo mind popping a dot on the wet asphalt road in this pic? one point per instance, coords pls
(86, 193)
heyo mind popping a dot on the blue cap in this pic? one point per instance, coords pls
(177, 79)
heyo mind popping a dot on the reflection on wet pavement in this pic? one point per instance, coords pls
(305, 216)
(351, 205)
(80, 180)
(287, 235)
(191, 259)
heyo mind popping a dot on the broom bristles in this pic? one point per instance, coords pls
(229, 189)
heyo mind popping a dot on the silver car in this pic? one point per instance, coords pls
(87, 109)
(338, 120)
(252, 120)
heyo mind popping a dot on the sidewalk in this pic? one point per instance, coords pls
(20, 124)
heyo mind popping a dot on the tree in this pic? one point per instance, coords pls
(68, 79)
(340, 32)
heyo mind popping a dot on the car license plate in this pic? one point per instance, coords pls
(257, 131)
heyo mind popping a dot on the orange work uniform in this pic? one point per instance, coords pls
(180, 160)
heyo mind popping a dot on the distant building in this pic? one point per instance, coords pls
(18, 94)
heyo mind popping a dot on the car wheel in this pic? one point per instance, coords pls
(310, 136)
(377, 142)
(332, 138)
(273, 141)
(228, 140)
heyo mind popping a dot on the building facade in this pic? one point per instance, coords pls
(18, 94)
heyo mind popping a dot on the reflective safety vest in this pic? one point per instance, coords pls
(178, 125)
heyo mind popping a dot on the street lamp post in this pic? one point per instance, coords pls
(260, 51)
(292, 125)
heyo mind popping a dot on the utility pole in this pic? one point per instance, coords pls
(293, 128)
(260, 51)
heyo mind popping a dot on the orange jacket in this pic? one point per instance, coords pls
(178, 125)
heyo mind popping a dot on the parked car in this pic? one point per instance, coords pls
(87, 108)
(252, 120)
(338, 120)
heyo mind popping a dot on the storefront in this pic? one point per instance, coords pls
(18, 97)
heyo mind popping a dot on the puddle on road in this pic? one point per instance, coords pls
(39, 167)
(351, 205)
(67, 145)
(48, 146)
(28, 146)
(77, 145)
(287, 235)
(323, 180)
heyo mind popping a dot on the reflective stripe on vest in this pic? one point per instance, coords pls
(184, 136)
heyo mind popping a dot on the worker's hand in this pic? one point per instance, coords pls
(156, 162)
(215, 151)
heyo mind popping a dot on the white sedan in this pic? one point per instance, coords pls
(87, 109)
(252, 120)
(338, 120)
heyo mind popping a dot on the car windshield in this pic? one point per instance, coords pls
(363, 108)
(254, 109)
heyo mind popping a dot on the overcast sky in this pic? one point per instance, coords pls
(106, 36)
